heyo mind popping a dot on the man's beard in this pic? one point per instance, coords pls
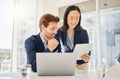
(51, 36)
(48, 37)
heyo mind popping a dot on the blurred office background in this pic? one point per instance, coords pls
(19, 20)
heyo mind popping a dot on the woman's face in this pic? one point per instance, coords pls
(73, 19)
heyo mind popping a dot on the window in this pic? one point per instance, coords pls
(18, 22)
(24, 26)
(6, 25)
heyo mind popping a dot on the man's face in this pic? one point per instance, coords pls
(51, 30)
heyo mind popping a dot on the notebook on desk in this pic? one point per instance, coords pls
(55, 64)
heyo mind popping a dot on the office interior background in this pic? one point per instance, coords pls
(19, 19)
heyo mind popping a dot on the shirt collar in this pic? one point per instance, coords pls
(43, 40)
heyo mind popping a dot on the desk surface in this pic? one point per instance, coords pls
(78, 75)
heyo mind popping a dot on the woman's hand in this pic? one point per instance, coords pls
(85, 57)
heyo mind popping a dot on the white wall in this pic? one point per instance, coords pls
(46, 6)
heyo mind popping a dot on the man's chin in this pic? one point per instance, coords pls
(51, 37)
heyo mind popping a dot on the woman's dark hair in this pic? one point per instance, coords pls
(68, 10)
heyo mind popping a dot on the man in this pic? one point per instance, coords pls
(45, 41)
(118, 58)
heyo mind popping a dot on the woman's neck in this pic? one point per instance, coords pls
(69, 32)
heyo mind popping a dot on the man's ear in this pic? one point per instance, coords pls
(42, 27)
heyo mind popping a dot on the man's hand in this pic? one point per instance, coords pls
(85, 57)
(52, 44)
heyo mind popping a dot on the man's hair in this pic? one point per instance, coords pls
(46, 18)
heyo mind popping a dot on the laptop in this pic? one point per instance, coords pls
(55, 64)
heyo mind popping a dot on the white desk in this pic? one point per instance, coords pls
(78, 75)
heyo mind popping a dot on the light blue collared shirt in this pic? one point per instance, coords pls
(70, 41)
(44, 42)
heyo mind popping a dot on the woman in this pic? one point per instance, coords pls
(71, 33)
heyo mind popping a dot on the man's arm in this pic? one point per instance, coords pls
(31, 50)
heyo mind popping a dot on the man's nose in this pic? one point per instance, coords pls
(55, 31)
